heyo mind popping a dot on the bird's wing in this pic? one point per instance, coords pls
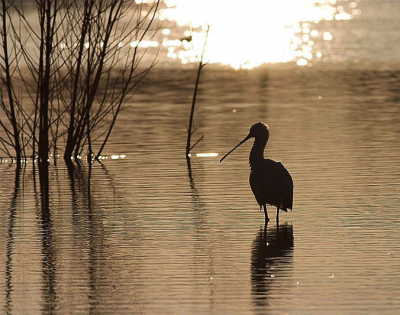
(286, 172)
(286, 185)
(279, 182)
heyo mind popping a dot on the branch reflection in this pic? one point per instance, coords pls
(89, 235)
(10, 242)
(49, 257)
(203, 242)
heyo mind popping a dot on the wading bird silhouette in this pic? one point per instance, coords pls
(270, 181)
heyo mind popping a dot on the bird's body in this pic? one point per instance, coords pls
(270, 182)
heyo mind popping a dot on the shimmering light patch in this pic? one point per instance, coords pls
(302, 62)
(246, 34)
(206, 154)
(343, 16)
(116, 156)
(144, 43)
(327, 36)
(314, 33)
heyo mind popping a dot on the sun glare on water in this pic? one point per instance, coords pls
(247, 33)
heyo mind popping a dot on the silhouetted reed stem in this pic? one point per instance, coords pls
(191, 129)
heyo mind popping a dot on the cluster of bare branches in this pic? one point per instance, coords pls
(67, 67)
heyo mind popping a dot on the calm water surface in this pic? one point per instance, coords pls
(146, 234)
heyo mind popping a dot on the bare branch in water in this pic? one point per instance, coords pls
(78, 67)
(191, 128)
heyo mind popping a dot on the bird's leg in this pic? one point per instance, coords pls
(277, 215)
(266, 213)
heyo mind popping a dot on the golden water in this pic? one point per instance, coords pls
(145, 237)
(145, 234)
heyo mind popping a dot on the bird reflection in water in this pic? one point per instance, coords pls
(272, 254)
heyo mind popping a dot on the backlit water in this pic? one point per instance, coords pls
(148, 235)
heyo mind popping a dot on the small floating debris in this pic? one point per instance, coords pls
(332, 276)
(116, 156)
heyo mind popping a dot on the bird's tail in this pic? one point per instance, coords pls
(287, 208)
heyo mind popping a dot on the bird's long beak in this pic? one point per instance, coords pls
(237, 146)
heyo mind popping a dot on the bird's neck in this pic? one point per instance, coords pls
(257, 153)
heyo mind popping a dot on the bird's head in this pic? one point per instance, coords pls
(258, 131)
